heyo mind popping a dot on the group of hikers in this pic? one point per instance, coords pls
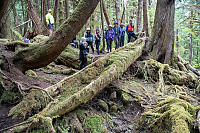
(114, 33)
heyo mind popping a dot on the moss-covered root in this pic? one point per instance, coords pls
(33, 102)
(174, 114)
(36, 123)
(151, 69)
(87, 83)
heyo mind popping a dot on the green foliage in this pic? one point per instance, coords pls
(94, 124)
(187, 22)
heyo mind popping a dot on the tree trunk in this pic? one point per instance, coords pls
(25, 18)
(139, 16)
(47, 52)
(39, 27)
(162, 41)
(55, 12)
(67, 9)
(105, 13)
(61, 11)
(190, 49)
(3, 17)
(48, 4)
(145, 18)
(44, 12)
(16, 18)
(102, 24)
(123, 14)
(177, 41)
(191, 40)
(117, 9)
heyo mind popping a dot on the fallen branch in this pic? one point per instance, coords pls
(188, 66)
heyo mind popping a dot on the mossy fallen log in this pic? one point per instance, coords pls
(87, 83)
(70, 58)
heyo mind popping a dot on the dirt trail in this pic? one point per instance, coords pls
(5, 120)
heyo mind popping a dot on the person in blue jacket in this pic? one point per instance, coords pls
(122, 29)
(83, 53)
(117, 35)
(109, 35)
(130, 31)
(89, 38)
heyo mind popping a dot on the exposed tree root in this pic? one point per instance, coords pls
(150, 69)
(172, 108)
(87, 83)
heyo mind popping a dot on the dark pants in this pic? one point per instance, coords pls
(122, 41)
(91, 45)
(131, 35)
(116, 39)
(97, 46)
(84, 62)
(109, 45)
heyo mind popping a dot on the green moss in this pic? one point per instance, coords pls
(4, 40)
(171, 112)
(94, 124)
(103, 105)
(39, 38)
(113, 109)
(81, 114)
(31, 73)
(10, 97)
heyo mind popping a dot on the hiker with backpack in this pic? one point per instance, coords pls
(122, 39)
(117, 35)
(83, 53)
(89, 39)
(130, 31)
(50, 22)
(109, 36)
(97, 40)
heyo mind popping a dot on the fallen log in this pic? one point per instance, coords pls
(87, 83)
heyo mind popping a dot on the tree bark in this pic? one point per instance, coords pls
(177, 41)
(3, 14)
(123, 14)
(145, 18)
(55, 12)
(162, 41)
(191, 39)
(61, 11)
(67, 9)
(139, 16)
(105, 13)
(102, 24)
(44, 12)
(47, 52)
(39, 27)
(25, 18)
(117, 10)
(16, 18)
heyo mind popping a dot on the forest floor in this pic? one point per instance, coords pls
(146, 98)
(107, 107)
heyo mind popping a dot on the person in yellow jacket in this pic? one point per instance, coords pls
(50, 22)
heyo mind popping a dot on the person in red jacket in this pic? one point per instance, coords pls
(130, 31)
